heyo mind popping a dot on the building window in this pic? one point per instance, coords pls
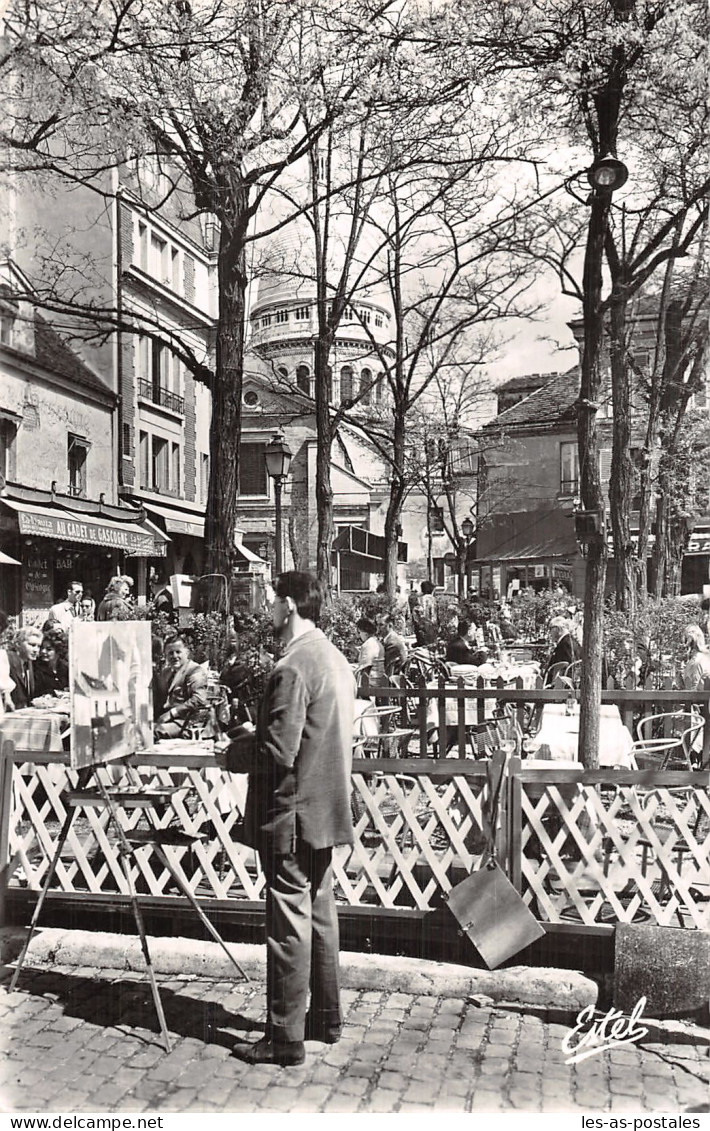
(253, 478)
(348, 314)
(282, 371)
(158, 257)
(142, 246)
(282, 316)
(346, 384)
(569, 468)
(303, 379)
(364, 316)
(204, 476)
(7, 322)
(144, 461)
(175, 469)
(77, 451)
(8, 433)
(160, 468)
(266, 320)
(302, 313)
(126, 434)
(175, 270)
(378, 319)
(366, 386)
(251, 398)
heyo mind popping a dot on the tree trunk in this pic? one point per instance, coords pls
(226, 420)
(590, 485)
(395, 501)
(621, 479)
(324, 443)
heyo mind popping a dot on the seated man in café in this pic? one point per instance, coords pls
(52, 668)
(507, 628)
(396, 650)
(465, 648)
(22, 658)
(180, 692)
(697, 668)
(565, 649)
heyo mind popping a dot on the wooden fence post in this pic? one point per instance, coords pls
(514, 824)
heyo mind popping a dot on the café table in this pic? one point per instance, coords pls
(558, 737)
(490, 674)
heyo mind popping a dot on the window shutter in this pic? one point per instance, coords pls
(605, 466)
(252, 470)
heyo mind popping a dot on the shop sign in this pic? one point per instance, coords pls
(37, 587)
(111, 537)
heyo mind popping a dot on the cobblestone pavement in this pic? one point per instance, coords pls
(78, 1040)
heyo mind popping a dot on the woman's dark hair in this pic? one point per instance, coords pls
(56, 639)
(464, 626)
(304, 589)
(427, 587)
(366, 625)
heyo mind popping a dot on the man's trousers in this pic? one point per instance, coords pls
(301, 943)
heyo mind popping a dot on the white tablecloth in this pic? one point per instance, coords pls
(558, 736)
(490, 674)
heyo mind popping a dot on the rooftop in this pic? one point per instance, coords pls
(553, 402)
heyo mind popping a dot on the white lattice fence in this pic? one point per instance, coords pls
(610, 851)
(416, 833)
(215, 866)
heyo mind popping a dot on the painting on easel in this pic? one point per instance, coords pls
(110, 676)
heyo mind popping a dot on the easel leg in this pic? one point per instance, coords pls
(84, 776)
(125, 851)
(186, 891)
(137, 914)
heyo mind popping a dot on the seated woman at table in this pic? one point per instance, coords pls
(466, 647)
(180, 692)
(52, 667)
(372, 651)
(697, 668)
(7, 684)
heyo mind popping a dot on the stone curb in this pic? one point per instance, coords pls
(538, 987)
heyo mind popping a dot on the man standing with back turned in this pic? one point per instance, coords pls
(298, 808)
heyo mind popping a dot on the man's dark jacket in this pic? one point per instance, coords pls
(299, 761)
(19, 694)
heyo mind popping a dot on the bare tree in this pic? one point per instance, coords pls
(218, 94)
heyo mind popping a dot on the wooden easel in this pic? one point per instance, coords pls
(130, 842)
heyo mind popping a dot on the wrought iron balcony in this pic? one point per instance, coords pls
(159, 395)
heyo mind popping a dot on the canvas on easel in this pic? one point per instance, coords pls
(110, 681)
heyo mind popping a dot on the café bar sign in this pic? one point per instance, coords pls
(111, 537)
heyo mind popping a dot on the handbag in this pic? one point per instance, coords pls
(486, 905)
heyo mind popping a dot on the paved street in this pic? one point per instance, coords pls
(77, 1040)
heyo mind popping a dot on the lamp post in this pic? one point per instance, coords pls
(278, 461)
(605, 176)
(467, 529)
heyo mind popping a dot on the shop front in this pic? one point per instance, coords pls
(57, 539)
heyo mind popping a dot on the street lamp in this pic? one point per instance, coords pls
(278, 462)
(607, 174)
(467, 529)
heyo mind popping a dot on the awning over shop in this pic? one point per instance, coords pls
(524, 538)
(5, 559)
(547, 551)
(367, 548)
(133, 538)
(178, 521)
(247, 554)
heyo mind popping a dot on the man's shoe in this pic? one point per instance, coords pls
(326, 1034)
(287, 1053)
